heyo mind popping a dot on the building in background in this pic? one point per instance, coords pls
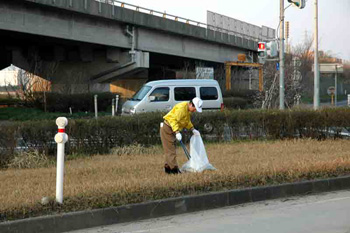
(15, 81)
(9, 81)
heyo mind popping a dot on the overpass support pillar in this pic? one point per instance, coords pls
(228, 76)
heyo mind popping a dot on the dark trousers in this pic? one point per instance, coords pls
(168, 141)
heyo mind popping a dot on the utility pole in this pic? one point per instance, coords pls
(281, 54)
(316, 66)
(335, 85)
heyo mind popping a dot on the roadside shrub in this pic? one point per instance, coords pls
(127, 134)
(239, 99)
(9, 100)
(240, 93)
(30, 159)
(236, 103)
(57, 102)
(38, 135)
(99, 136)
(8, 142)
(274, 124)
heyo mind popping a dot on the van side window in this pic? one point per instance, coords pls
(184, 93)
(160, 94)
(208, 93)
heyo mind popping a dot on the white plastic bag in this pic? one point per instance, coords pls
(199, 159)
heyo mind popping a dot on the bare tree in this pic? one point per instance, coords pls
(298, 67)
(74, 82)
(303, 61)
(34, 84)
(220, 76)
(187, 71)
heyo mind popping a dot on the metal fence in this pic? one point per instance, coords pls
(177, 18)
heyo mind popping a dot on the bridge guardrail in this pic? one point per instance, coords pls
(175, 18)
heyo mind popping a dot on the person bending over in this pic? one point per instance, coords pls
(177, 119)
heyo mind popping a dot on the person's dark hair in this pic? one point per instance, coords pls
(191, 103)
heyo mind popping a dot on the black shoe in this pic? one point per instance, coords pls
(175, 170)
(167, 169)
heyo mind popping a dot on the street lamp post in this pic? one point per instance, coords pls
(316, 68)
(281, 54)
(335, 85)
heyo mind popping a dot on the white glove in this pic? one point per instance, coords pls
(195, 132)
(178, 136)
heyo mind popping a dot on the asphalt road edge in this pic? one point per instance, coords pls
(171, 206)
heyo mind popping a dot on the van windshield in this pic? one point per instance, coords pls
(141, 93)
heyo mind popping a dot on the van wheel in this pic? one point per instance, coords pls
(208, 127)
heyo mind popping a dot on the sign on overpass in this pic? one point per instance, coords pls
(238, 27)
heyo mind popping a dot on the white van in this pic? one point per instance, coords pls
(162, 95)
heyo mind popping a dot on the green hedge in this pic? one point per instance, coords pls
(240, 93)
(10, 101)
(236, 103)
(8, 143)
(57, 102)
(99, 136)
(31, 114)
(239, 99)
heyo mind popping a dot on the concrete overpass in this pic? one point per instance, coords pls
(95, 43)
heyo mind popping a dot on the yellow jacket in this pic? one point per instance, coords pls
(179, 117)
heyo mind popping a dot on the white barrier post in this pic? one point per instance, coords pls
(349, 100)
(61, 138)
(116, 103)
(113, 111)
(95, 98)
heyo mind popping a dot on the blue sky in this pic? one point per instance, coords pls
(334, 17)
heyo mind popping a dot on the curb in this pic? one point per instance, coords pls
(172, 206)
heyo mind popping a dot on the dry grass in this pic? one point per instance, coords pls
(30, 159)
(102, 181)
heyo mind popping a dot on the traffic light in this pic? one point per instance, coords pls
(262, 50)
(262, 54)
(267, 50)
(271, 49)
(298, 3)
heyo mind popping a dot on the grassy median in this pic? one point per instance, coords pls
(136, 175)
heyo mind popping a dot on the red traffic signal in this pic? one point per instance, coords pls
(262, 53)
(261, 46)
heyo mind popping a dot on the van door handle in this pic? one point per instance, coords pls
(168, 107)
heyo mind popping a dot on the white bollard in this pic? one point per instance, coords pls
(95, 98)
(349, 100)
(61, 138)
(113, 112)
(116, 103)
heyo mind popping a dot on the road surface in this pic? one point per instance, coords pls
(323, 213)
